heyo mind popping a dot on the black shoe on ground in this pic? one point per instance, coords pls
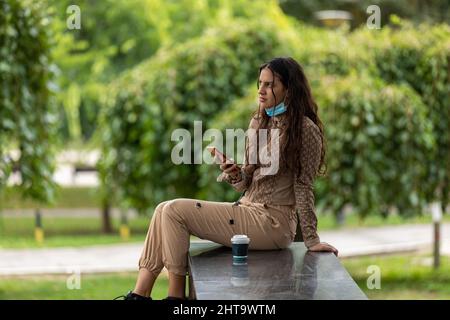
(133, 296)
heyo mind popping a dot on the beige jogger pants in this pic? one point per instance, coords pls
(167, 242)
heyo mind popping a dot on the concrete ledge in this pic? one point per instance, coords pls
(290, 274)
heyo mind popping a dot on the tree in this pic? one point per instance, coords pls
(27, 113)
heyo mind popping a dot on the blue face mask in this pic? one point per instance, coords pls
(274, 111)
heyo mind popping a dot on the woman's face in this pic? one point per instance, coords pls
(267, 82)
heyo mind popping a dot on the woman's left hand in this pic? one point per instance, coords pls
(323, 246)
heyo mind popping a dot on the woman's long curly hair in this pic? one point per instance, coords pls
(299, 103)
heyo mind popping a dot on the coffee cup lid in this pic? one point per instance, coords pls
(240, 238)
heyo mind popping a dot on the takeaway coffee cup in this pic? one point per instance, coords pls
(239, 247)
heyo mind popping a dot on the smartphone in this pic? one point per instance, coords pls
(222, 158)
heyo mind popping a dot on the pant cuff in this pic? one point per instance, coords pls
(176, 269)
(150, 266)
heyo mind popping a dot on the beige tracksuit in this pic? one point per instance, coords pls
(268, 212)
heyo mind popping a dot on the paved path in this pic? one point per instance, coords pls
(124, 257)
(367, 241)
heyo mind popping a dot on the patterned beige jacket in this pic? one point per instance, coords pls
(285, 187)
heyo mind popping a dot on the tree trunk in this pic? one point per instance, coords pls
(106, 217)
(340, 217)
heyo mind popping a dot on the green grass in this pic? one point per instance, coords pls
(67, 197)
(327, 221)
(21, 226)
(403, 276)
(66, 241)
(92, 287)
(18, 232)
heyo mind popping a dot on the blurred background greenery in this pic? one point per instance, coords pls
(138, 69)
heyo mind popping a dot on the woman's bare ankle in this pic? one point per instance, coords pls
(144, 283)
(141, 292)
(177, 286)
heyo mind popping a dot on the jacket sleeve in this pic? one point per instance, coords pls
(241, 183)
(303, 184)
(245, 177)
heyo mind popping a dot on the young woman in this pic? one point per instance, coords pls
(272, 204)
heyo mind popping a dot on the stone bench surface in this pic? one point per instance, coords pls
(289, 274)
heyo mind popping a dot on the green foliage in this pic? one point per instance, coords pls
(420, 57)
(375, 155)
(383, 97)
(114, 36)
(191, 82)
(118, 35)
(27, 114)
